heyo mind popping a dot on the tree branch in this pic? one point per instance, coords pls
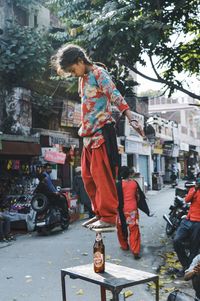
(160, 80)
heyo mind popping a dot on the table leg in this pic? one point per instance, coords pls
(115, 296)
(63, 286)
(157, 289)
(103, 293)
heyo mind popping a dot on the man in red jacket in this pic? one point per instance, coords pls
(189, 229)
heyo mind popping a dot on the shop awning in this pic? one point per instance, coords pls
(20, 148)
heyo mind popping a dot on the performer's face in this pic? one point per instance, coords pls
(77, 69)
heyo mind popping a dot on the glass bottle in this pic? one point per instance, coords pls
(99, 254)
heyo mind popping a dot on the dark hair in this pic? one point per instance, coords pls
(124, 172)
(68, 55)
(47, 165)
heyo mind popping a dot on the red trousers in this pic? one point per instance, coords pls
(134, 239)
(99, 183)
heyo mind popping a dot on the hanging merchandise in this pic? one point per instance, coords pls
(9, 165)
(15, 164)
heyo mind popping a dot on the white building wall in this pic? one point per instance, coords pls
(43, 17)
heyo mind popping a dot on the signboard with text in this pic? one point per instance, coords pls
(55, 157)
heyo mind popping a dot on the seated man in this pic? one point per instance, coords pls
(54, 197)
(5, 234)
(189, 229)
(193, 272)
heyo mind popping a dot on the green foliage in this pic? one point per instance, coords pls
(42, 103)
(24, 55)
(124, 30)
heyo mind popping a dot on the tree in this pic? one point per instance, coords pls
(24, 55)
(123, 30)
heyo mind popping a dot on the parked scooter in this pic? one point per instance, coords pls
(48, 216)
(178, 211)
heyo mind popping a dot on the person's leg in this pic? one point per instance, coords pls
(106, 198)
(134, 239)
(194, 240)
(88, 181)
(6, 227)
(182, 233)
(122, 240)
(1, 230)
(196, 285)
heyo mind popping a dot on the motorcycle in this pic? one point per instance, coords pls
(48, 216)
(177, 211)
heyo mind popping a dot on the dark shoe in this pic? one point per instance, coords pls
(125, 249)
(3, 240)
(10, 237)
(180, 273)
(137, 256)
(91, 215)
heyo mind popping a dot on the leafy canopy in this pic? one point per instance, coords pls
(24, 55)
(125, 30)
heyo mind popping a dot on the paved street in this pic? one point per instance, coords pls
(30, 266)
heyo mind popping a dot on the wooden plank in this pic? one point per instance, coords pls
(104, 230)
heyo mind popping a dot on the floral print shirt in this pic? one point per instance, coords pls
(98, 93)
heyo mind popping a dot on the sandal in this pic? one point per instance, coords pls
(99, 224)
(90, 221)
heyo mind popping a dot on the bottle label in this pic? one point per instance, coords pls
(98, 259)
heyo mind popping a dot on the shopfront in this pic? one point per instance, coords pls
(63, 152)
(183, 158)
(19, 163)
(139, 154)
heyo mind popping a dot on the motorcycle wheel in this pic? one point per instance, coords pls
(43, 231)
(39, 202)
(65, 222)
(169, 229)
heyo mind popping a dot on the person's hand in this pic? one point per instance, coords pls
(137, 127)
(197, 269)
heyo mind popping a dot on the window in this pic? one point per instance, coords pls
(35, 21)
(21, 15)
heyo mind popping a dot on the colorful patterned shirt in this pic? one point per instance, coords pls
(98, 93)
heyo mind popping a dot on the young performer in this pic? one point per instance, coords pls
(99, 156)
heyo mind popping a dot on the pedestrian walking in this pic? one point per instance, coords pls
(79, 188)
(131, 198)
(189, 229)
(100, 153)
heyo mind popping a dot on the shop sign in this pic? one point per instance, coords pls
(184, 146)
(133, 147)
(158, 147)
(124, 161)
(63, 140)
(158, 151)
(167, 149)
(175, 152)
(55, 157)
(176, 134)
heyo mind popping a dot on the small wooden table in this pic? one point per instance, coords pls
(115, 278)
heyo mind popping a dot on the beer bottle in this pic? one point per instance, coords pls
(99, 254)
